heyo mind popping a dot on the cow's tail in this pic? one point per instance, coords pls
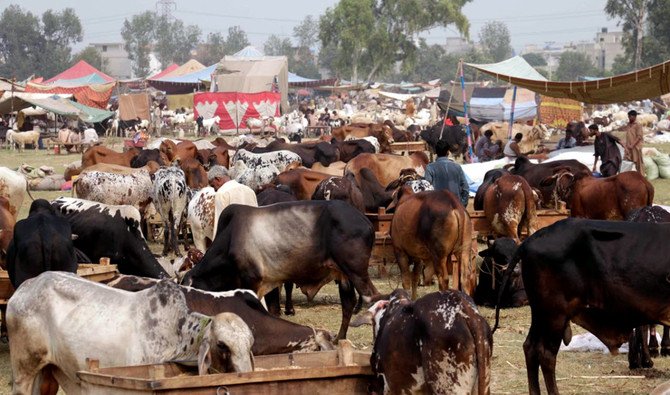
(481, 332)
(74, 185)
(28, 191)
(650, 193)
(505, 283)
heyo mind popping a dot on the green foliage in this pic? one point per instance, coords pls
(370, 36)
(631, 15)
(138, 35)
(495, 40)
(534, 59)
(432, 62)
(236, 40)
(212, 50)
(174, 41)
(276, 46)
(572, 65)
(91, 56)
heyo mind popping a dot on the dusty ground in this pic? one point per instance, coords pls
(582, 373)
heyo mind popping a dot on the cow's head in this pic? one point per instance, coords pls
(562, 182)
(226, 346)
(326, 154)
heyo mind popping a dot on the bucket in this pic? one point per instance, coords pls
(56, 149)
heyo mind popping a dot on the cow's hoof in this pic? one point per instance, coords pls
(665, 351)
(289, 312)
(648, 364)
(653, 352)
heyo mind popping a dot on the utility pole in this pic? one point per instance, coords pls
(164, 8)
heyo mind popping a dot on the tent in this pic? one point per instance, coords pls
(640, 84)
(186, 68)
(296, 81)
(90, 95)
(134, 105)
(81, 73)
(165, 72)
(58, 104)
(235, 107)
(184, 79)
(525, 106)
(252, 75)
(486, 104)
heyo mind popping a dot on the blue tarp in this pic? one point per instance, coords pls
(90, 79)
(295, 78)
(192, 78)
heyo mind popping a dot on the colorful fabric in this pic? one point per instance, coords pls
(234, 108)
(557, 112)
(90, 95)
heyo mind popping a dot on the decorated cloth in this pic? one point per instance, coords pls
(559, 112)
(234, 108)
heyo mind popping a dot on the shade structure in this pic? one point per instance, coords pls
(81, 70)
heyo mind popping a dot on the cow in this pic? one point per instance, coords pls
(306, 248)
(147, 155)
(536, 173)
(22, 138)
(151, 167)
(334, 169)
(602, 198)
(499, 252)
(148, 327)
(194, 173)
(13, 187)
(112, 232)
(99, 154)
(340, 188)
(386, 167)
(427, 228)
(374, 194)
(489, 178)
(170, 198)
(272, 335)
(41, 242)
(301, 182)
(310, 153)
(602, 275)
(256, 170)
(272, 194)
(281, 159)
(183, 150)
(116, 189)
(7, 223)
(510, 206)
(219, 156)
(454, 135)
(398, 135)
(382, 132)
(200, 217)
(532, 135)
(350, 149)
(437, 344)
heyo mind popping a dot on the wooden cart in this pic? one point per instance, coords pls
(91, 271)
(343, 371)
(406, 148)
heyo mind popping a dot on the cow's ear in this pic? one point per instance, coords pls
(204, 358)
(548, 181)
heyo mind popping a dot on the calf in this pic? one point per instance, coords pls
(272, 335)
(340, 188)
(170, 198)
(428, 227)
(307, 247)
(148, 327)
(509, 206)
(436, 344)
(602, 275)
(41, 242)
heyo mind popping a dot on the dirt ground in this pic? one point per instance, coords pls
(582, 373)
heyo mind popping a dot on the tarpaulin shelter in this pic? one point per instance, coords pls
(178, 101)
(90, 95)
(134, 105)
(186, 78)
(525, 106)
(79, 74)
(637, 85)
(296, 81)
(487, 103)
(453, 99)
(559, 112)
(164, 72)
(252, 75)
(235, 107)
(57, 104)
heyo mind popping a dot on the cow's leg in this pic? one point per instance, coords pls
(48, 384)
(440, 267)
(288, 305)
(166, 237)
(272, 301)
(348, 301)
(646, 358)
(665, 342)
(635, 349)
(416, 274)
(540, 349)
(653, 342)
(175, 239)
(403, 264)
(3, 325)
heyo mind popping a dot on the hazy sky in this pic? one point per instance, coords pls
(530, 22)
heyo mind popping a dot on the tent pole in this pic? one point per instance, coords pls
(465, 113)
(446, 113)
(511, 116)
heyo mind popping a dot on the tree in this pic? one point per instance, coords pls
(60, 30)
(372, 35)
(495, 40)
(306, 35)
(213, 49)
(276, 46)
(236, 40)
(21, 42)
(91, 56)
(431, 62)
(572, 65)
(174, 41)
(307, 32)
(535, 59)
(632, 14)
(138, 35)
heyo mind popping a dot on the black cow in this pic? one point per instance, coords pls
(272, 335)
(41, 242)
(536, 173)
(374, 194)
(311, 244)
(489, 179)
(488, 290)
(454, 135)
(108, 233)
(147, 155)
(352, 148)
(602, 275)
(340, 188)
(309, 153)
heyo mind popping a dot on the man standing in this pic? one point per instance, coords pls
(634, 141)
(485, 149)
(228, 191)
(605, 148)
(447, 174)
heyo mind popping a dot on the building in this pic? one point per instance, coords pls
(609, 46)
(115, 60)
(457, 45)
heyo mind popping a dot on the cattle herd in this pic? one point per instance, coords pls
(219, 304)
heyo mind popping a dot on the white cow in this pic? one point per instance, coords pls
(110, 188)
(14, 187)
(201, 217)
(60, 319)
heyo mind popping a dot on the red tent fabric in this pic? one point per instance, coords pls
(90, 95)
(167, 70)
(79, 70)
(233, 108)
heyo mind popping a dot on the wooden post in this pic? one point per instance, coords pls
(104, 261)
(157, 372)
(345, 353)
(92, 365)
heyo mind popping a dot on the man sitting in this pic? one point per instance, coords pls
(485, 149)
(567, 142)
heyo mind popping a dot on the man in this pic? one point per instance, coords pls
(447, 174)
(605, 148)
(634, 140)
(228, 191)
(512, 150)
(485, 149)
(568, 141)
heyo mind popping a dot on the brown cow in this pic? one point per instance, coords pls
(398, 135)
(509, 205)
(382, 132)
(221, 142)
(610, 198)
(151, 167)
(219, 156)
(427, 228)
(387, 167)
(183, 150)
(194, 172)
(7, 223)
(302, 182)
(334, 169)
(100, 154)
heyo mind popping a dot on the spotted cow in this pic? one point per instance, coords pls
(170, 198)
(201, 217)
(116, 189)
(340, 188)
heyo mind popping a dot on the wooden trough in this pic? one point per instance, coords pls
(91, 271)
(406, 148)
(342, 371)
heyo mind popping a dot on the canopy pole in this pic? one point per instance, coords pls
(511, 117)
(446, 113)
(465, 112)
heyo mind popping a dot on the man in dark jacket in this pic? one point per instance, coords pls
(605, 147)
(447, 174)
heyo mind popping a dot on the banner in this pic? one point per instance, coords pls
(558, 112)
(234, 108)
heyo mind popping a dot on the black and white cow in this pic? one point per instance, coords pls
(115, 189)
(255, 170)
(107, 231)
(201, 217)
(170, 196)
(311, 244)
